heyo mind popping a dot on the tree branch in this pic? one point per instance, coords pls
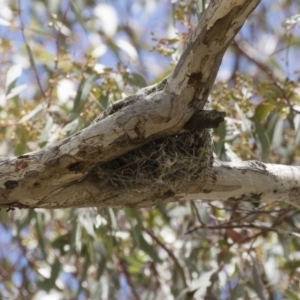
(59, 175)
(238, 181)
(246, 181)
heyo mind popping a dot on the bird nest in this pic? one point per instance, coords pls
(180, 157)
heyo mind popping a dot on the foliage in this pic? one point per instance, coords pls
(62, 63)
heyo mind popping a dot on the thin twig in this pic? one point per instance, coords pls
(128, 278)
(228, 226)
(29, 52)
(197, 213)
(171, 254)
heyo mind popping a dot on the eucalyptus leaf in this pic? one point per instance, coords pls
(264, 141)
(82, 95)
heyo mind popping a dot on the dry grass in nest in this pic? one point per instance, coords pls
(178, 157)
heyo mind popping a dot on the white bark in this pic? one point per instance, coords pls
(59, 175)
(246, 181)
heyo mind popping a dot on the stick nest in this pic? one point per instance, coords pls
(167, 160)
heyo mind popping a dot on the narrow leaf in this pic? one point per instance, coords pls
(12, 76)
(33, 113)
(263, 140)
(82, 95)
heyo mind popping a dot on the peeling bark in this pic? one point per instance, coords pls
(60, 175)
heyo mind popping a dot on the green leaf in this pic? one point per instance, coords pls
(112, 220)
(104, 101)
(291, 295)
(49, 283)
(15, 91)
(297, 128)
(292, 264)
(136, 232)
(101, 265)
(201, 284)
(271, 122)
(182, 295)
(163, 210)
(88, 224)
(257, 282)
(263, 140)
(221, 133)
(136, 80)
(278, 133)
(61, 241)
(55, 269)
(133, 214)
(20, 149)
(82, 95)
(40, 231)
(246, 124)
(4, 218)
(33, 113)
(76, 235)
(238, 292)
(46, 132)
(71, 127)
(262, 110)
(12, 76)
(147, 248)
(83, 274)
